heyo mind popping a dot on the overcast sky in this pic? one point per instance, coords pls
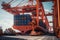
(6, 19)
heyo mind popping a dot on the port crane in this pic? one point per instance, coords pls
(37, 11)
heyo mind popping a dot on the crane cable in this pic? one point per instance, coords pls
(20, 3)
(24, 2)
(10, 2)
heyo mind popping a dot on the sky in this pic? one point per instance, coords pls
(6, 19)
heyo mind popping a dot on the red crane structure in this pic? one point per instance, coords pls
(37, 11)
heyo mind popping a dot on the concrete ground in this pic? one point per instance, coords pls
(21, 37)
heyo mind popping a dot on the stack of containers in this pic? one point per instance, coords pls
(22, 19)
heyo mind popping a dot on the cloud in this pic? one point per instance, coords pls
(47, 10)
(6, 19)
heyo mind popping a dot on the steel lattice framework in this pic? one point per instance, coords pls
(38, 9)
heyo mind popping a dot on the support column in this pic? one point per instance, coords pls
(37, 12)
(58, 6)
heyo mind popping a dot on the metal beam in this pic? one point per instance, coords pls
(46, 0)
(58, 4)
